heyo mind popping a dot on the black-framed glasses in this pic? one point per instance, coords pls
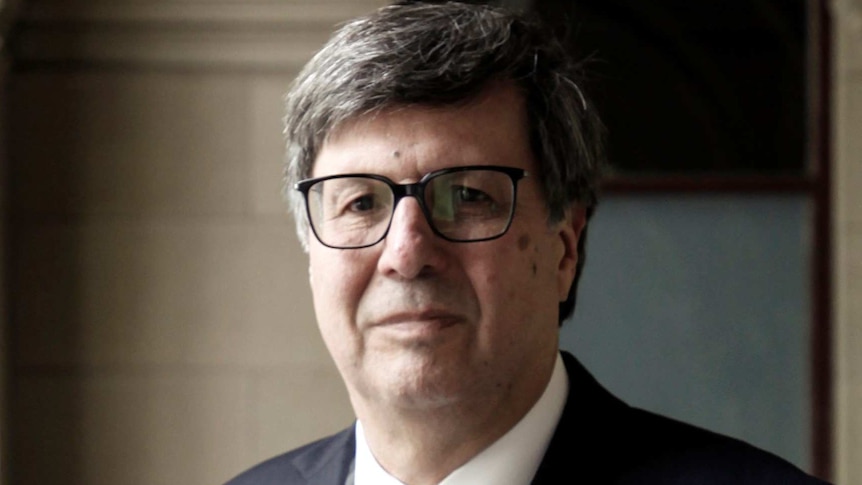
(461, 204)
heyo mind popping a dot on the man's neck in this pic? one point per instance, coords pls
(418, 462)
(424, 446)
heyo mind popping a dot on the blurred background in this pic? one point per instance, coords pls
(156, 324)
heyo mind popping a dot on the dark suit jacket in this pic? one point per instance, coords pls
(599, 440)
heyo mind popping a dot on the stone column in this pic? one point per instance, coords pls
(847, 176)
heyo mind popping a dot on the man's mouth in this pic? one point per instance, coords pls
(418, 324)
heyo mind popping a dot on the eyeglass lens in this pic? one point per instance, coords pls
(466, 205)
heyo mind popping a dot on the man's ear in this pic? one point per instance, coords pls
(569, 230)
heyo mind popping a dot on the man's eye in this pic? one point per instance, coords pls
(362, 203)
(467, 194)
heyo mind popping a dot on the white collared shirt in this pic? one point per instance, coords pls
(511, 460)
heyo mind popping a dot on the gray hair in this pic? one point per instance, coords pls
(446, 54)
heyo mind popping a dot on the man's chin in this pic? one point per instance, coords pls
(420, 383)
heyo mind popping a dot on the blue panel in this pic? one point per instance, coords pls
(699, 308)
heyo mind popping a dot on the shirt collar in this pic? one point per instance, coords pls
(511, 460)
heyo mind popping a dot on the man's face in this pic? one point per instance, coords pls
(416, 321)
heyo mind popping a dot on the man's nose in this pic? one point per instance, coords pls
(410, 248)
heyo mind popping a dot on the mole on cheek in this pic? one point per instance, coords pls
(534, 269)
(396, 154)
(523, 242)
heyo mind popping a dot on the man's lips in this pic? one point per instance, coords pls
(427, 321)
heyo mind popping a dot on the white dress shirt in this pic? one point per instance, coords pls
(511, 460)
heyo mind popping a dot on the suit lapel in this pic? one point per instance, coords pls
(332, 462)
(582, 436)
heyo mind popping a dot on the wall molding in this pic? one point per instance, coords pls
(209, 34)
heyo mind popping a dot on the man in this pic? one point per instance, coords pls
(445, 161)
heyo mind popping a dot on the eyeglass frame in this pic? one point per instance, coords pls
(417, 191)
